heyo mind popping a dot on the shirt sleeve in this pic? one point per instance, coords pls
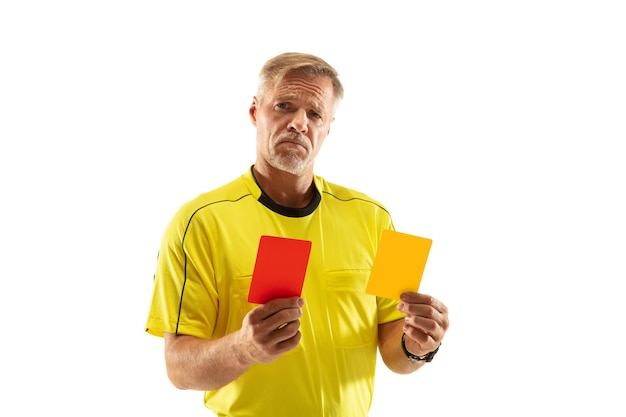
(388, 310)
(183, 281)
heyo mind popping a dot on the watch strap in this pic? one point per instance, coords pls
(414, 358)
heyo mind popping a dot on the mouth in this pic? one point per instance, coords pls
(291, 141)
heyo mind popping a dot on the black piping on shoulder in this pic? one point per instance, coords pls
(182, 244)
(356, 199)
(360, 199)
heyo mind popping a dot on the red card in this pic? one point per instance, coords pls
(279, 269)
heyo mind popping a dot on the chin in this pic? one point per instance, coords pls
(291, 165)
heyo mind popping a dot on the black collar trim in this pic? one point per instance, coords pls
(288, 211)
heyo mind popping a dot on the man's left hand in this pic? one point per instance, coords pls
(425, 324)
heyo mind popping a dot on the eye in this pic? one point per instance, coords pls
(282, 106)
(315, 115)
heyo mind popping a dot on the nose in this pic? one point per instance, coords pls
(299, 122)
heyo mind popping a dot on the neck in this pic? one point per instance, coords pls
(288, 190)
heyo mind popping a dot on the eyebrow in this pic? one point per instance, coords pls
(286, 97)
(315, 104)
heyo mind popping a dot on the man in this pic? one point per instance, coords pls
(313, 355)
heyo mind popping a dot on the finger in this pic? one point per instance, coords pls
(272, 307)
(415, 298)
(268, 339)
(420, 343)
(288, 344)
(424, 325)
(283, 339)
(426, 318)
(282, 318)
(421, 310)
(272, 348)
(287, 330)
(420, 337)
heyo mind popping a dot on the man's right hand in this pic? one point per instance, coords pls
(267, 332)
(270, 330)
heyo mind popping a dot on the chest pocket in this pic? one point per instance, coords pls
(352, 314)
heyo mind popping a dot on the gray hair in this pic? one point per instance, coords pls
(311, 66)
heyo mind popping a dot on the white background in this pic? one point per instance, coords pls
(496, 128)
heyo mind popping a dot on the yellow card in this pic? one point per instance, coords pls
(399, 264)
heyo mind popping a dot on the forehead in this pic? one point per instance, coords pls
(295, 85)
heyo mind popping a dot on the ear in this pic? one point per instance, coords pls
(254, 107)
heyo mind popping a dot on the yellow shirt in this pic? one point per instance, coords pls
(203, 277)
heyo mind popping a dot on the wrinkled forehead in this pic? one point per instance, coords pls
(321, 85)
(318, 88)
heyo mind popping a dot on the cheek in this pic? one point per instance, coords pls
(269, 127)
(263, 129)
(316, 143)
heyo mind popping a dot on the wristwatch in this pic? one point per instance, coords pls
(414, 358)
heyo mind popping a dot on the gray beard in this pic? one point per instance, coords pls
(289, 163)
